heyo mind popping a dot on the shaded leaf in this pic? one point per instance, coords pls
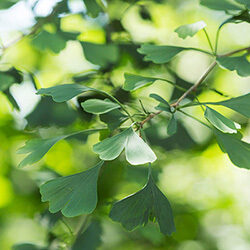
(244, 2)
(172, 126)
(159, 54)
(221, 122)
(190, 29)
(220, 5)
(164, 105)
(133, 82)
(89, 239)
(93, 8)
(6, 81)
(97, 106)
(237, 150)
(136, 150)
(148, 203)
(28, 246)
(100, 54)
(238, 63)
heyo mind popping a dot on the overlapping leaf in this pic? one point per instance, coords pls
(74, 194)
(97, 106)
(164, 105)
(138, 208)
(190, 29)
(238, 63)
(237, 150)
(136, 150)
(159, 54)
(221, 122)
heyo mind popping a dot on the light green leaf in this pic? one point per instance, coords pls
(100, 54)
(164, 105)
(221, 5)
(190, 29)
(74, 194)
(136, 150)
(238, 63)
(237, 150)
(93, 8)
(97, 106)
(89, 239)
(239, 104)
(64, 92)
(172, 126)
(133, 82)
(221, 122)
(138, 208)
(159, 54)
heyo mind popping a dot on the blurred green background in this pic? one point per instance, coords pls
(209, 196)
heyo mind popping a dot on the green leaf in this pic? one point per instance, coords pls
(89, 239)
(6, 81)
(190, 29)
(172, 126)
(220, 5)
(64, 92)
(239, 104)
(4, 4)
(148, 203)
(221, 122)
(100, 54)
(97, 106)
(164, 105)
(93, 8)
(237, 150)
(28, 246)
(113, 119)
(244, 2)
(74, 194)
(159, 54)
(238, 63)
(136, 150)
(133, 82)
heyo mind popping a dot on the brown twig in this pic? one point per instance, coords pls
(233, 52)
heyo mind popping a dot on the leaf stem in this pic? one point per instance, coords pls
(208, 39)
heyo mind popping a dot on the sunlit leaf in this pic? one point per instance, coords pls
(239, 104)
(133, 82)
(159, 54)
(93, 8)
(100, 54)
(74, 194)
(221, 5)
(164, 105)
(172, 126)
(97, 106)
(89, 239)
(238, 63)
(148, 203)
(221, 122)
(190, 29)
(237, 150)
(136, 150)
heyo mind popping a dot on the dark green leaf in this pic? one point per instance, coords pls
(221, 122)
(238, 63)
(172, 126)
(93, 8)
(100, 54)
(97, 106)
(244, 2)
(164, 105)
(190, 29)
(221, 5)
(28, 246)
(136, 150)
(133, 82)
(138, 208)
(159, 54)
(89, 239)
(239, 104)
(6, 81)
(74, 194)
(237, 150)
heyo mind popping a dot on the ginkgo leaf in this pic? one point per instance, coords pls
(133, 82)
(148, 203)
(93, 8)
(159, 54)
(237, 150)
(97, 106)
(136, 150)
(172, 126)
(239, 104)
(190, 29)
(164, 105)
(74, 194)
(244, 2)
(220, 5)
(221, 122)
(64, 92)
(238, 63)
